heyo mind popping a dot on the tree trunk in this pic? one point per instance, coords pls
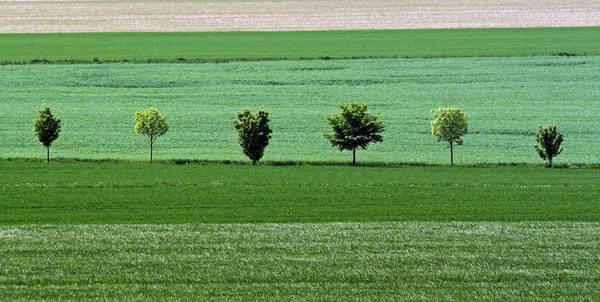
(48, 154)
(354, 156)
(150, 152)
(254, 162)
(549, 161)
(451, 154)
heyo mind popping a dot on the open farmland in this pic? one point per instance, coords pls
(416, 261)
(507, 99)
(266, 15)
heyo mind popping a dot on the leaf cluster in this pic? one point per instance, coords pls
(150, 123)
(449, 124)
(353, 127)
(46, 127)
(253, 133)
(549, 142)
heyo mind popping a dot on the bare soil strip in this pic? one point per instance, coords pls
(53, 16)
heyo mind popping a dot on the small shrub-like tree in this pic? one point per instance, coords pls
(353, 127)
(253, 133)
(549, 143)
(46, 127)
(151, 124)
(449, 125)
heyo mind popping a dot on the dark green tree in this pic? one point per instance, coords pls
(253, 133)
(46, 127)
(353, 127)
(549, 143)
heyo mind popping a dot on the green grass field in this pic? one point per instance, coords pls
(416, 261)
(109, 193)
(507, 99)
(225, 46)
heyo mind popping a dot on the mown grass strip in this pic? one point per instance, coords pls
(241, 46)
(36, 193)
(337, 261)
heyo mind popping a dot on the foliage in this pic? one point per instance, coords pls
(253, 133)
(47, 128)
(109, 193)
(353, 127)
(151, 124)
(232, 46)
(549, 143)
(202, 97)
(449, 125)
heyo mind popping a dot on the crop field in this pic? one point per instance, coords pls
(417, 261)
(507, 99)
(100, 223)
(239, 46)
(266, 15)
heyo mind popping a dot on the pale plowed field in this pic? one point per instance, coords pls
(26, 16)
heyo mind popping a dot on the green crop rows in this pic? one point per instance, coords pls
(417, 261)
(227, 46)
(507, 99)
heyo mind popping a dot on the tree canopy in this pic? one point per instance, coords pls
(253, 133)
(449, 125)
(47, 128)
(353, 127)
(151, 124)
(549, 143)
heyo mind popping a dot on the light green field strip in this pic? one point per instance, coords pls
(341, 261)
(506, 99)
(227, 46)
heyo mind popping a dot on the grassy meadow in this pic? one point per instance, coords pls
(228, 46)
(507, 99)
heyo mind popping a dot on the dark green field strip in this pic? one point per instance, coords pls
(333, 261)
(135, 193)
(226, 46)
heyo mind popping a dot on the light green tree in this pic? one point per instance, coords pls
(46, 127)
(449, 125)
(253, 133)
(549, 143)
(353, 127)
(151, 124)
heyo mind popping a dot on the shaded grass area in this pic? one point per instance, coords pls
(334, 261)
(242, 46)
(35, 193)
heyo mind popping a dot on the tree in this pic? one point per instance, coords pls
(548, 143)
(253, 133)
(151, 124)
(46, 127)
(449, 125)
(353, 127)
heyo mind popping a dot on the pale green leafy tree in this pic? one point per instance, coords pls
(46, 127)
(151, 124)
(549, 143)
(449, 125)
(354, 127)
(253, 133)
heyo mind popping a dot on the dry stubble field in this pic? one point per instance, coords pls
(36, 16)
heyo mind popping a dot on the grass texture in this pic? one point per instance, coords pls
(417, 261)
(109, 193)
(506, 99)
(227, 46)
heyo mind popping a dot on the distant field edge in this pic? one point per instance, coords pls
(217, 47)
(176, 161)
